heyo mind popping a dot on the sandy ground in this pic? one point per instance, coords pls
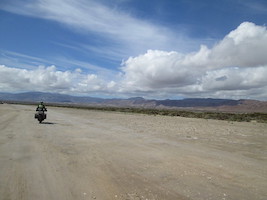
(78, 154)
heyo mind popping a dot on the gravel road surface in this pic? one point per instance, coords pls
(80, 154)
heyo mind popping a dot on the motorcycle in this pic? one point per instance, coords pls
(40, 115)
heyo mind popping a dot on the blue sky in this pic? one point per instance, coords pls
(124, 48)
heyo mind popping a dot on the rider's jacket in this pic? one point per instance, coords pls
(41, 107)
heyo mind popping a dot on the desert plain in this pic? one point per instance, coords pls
(80, 154)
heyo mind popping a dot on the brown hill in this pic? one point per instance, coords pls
(248, 106)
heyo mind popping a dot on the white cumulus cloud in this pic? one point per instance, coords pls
(237, 63)
(49, 79)
(245, 46)
(235, 67)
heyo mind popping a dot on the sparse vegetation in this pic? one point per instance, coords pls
(239, 117)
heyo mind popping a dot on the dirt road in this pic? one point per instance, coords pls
(79, 154)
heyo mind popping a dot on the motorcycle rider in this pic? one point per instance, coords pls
(41, 107)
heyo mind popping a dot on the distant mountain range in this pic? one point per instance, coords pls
(208, 104)
(47, 97)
